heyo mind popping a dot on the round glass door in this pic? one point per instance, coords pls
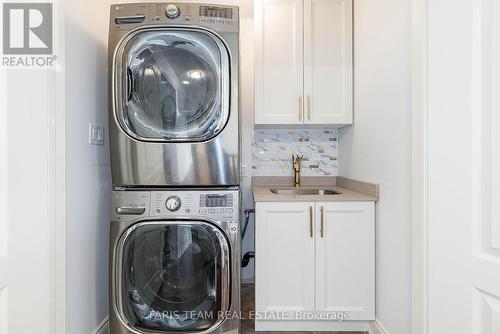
(172, 85)
(174, 276)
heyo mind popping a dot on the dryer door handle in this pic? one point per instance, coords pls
(126, 210)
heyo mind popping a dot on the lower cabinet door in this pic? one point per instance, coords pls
(345, 258)
(284, 261)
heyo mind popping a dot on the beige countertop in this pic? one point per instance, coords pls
(350, 190)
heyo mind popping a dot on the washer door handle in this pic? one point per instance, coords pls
(126, 210)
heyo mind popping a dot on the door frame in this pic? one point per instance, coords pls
(420, 163)
(478, 57)
(57, 170)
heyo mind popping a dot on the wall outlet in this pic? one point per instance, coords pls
(96, 134)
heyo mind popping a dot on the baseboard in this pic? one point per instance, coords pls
(102, 328)
(311, 326)
(376, 327)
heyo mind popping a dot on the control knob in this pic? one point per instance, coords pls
(173, 203)
(172, 11)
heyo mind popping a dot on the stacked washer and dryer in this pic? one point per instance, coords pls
(174, 143)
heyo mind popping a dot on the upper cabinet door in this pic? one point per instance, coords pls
(345, 258)
(279, 62)
(328, 62)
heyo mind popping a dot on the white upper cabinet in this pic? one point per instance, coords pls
(279, 61)
(303, 62)
(328, 61)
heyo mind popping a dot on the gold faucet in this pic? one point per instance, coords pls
(297, 160)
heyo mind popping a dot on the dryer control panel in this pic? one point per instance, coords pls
(131, 15)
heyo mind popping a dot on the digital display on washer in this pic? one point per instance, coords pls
(213, 200)
(219, 12)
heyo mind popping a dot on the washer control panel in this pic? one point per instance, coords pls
(216, 200)
(219, 205)
(222, 204)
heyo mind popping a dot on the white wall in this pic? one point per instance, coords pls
(28, 183)
(377, 147)
(88, 178)
(247, 120)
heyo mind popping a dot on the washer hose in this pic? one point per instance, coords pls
(247, 219)
(246, 258)
(250, 254)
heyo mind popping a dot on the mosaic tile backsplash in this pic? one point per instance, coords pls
(272, 152)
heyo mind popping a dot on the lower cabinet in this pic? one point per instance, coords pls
(284, 271)
(345, 258)
(314, 257)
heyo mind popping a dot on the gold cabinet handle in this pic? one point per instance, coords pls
(300, 108)
(322, 221)
(308, 107)
(311, 221)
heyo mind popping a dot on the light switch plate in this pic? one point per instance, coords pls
(96, 134)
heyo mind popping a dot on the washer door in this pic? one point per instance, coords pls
(173, 276)
(171, 85)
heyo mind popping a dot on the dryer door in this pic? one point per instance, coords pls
(171, 85)
(172, 276)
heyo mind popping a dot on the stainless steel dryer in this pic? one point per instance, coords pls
(174, 108)
(174, 262)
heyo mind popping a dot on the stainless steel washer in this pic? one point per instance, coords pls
(174, 261)
(174, 106)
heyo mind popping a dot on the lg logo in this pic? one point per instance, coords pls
(27, 28)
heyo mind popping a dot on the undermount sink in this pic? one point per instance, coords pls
(304, 191)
